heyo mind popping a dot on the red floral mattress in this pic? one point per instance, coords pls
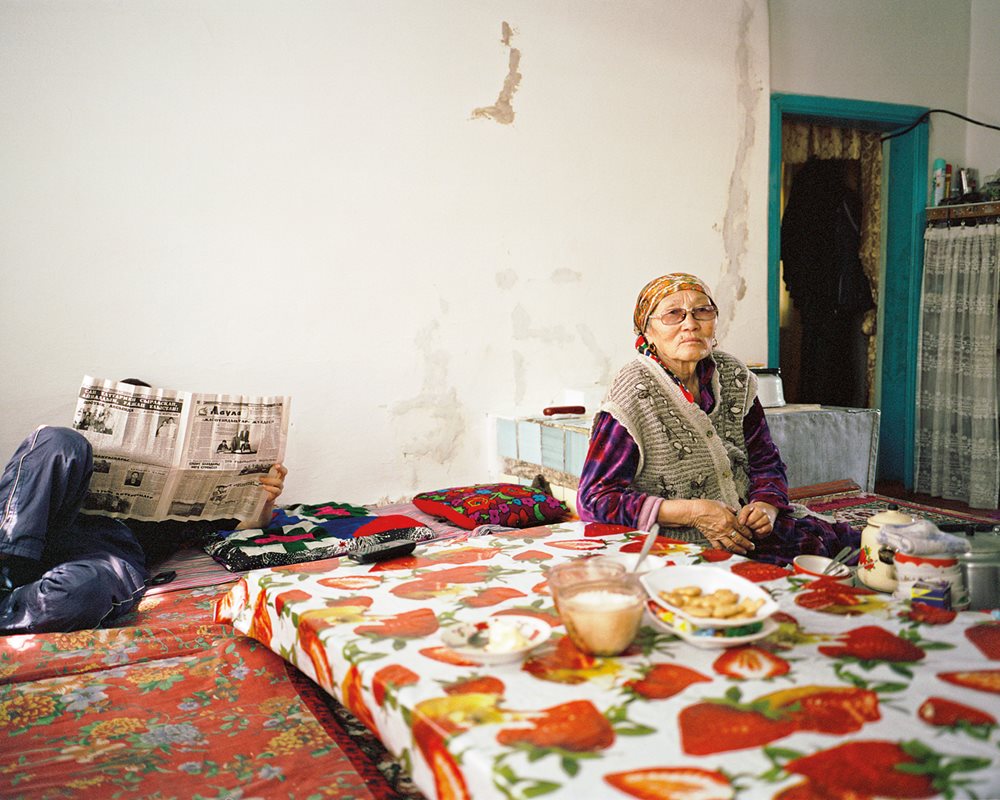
(170, 704)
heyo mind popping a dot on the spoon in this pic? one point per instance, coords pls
(844, 555)
(647, 546)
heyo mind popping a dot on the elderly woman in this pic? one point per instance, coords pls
(681, 440)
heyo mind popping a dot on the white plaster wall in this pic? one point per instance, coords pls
(292, 197)
(911, 52)
(983, 144)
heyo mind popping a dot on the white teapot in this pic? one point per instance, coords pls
(876, 567)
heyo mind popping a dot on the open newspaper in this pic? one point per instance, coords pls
(161, 454)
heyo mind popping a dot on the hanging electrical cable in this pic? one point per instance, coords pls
(926, 115)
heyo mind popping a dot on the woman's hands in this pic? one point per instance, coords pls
(273, 483)
(717, 522)
(723, 528)
(758, 518)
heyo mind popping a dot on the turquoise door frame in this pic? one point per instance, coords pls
(905, 177)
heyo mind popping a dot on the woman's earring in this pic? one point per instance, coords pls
(715, 342)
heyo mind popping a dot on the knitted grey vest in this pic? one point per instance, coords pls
(684, 452)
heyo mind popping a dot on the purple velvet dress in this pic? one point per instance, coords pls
(605, 493)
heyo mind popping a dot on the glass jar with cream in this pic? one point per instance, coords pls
(602, 616)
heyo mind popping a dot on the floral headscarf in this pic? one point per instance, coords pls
(651, 294)
(658, 288)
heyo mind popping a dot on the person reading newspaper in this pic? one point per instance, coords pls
(61, 570)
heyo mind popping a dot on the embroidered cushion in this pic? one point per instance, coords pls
(505, 504)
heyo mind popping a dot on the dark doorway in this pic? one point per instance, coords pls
(824, 337)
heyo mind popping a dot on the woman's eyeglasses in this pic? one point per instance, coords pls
(675, 316)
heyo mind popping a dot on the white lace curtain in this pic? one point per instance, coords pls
(957, 448)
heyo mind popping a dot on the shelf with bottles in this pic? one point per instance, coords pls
(964, 213)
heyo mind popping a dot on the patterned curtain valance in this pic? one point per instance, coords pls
(801, 141)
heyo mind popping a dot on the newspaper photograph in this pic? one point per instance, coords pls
(161, 454)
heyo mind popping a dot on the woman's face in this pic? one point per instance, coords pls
(684, 344)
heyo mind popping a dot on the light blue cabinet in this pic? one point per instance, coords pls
(817, 443)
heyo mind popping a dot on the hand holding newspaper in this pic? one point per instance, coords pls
(162, 454)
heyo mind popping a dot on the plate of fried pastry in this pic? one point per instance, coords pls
(708, 606)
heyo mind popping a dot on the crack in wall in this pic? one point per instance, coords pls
(732, 285)
(502, 110)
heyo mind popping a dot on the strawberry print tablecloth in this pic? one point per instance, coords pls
(855, 695)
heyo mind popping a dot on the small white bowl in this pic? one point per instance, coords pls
(472, 640)
(811, 568)
(628, 560)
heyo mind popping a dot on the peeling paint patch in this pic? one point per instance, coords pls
(506, 279)
(502, 110)
(603, 361)
(521, 328)
(732, 285)
(566, 276)
(432, 423)
(519, 378)
(434, 427)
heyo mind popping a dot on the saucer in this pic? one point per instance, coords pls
(483, 642)
(709, 638)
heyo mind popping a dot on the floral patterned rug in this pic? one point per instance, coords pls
(855, 507)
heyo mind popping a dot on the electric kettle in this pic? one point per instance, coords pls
(770, 391)
(876, 567)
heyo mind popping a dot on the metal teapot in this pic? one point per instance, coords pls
(876, 567)
(981, 568)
